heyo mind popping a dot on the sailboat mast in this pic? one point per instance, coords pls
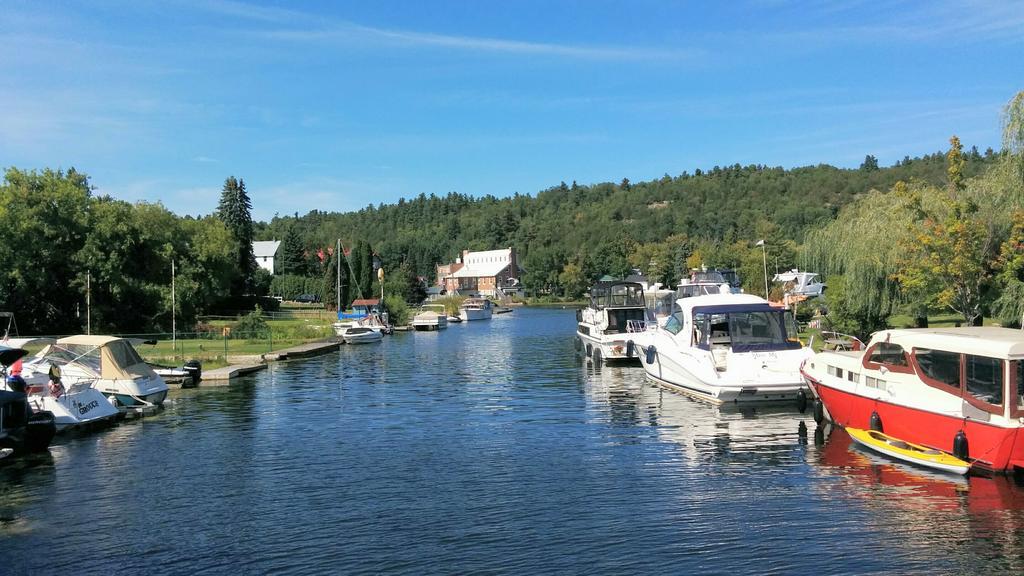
(337, 256)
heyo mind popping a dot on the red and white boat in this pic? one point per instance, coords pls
(958, 390)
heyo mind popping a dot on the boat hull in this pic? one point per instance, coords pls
(140, 392)
(989, 445)
(691, 371)
(469, 314)
(85, 409)
(612, 347)
(363, 338)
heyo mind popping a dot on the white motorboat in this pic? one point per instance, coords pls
(797, 283)
(476, 309)
(433, 317)
(74, 404)
(108, 364)
(362, 335)
(617, 309)
(726, 348)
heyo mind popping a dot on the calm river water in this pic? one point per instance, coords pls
(486, 448)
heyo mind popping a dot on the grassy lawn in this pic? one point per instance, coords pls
(213, 349)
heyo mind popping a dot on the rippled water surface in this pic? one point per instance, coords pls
(486, 448)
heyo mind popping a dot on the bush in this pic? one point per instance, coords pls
(252, 326)
(398, 310)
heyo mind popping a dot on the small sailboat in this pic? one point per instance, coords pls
(908, 451)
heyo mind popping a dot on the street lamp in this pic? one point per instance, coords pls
(764, 262)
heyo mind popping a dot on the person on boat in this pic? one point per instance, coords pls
(56, 386)
(14, 380)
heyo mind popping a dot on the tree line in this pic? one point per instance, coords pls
(869, 228)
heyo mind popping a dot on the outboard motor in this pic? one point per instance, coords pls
(39, 431)
(195, 371)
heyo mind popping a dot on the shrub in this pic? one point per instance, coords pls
(252, 326)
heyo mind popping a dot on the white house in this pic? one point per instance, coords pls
(265, 251)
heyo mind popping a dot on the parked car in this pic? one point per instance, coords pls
(307, 298)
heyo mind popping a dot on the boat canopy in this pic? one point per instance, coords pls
(106, 357)
(10, 355)
(732, 308)
(616, 294)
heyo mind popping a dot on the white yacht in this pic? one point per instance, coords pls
(432, 317)
(617, 309)
(726, 348)
(106, 363)
(797, 283)
(475, 309)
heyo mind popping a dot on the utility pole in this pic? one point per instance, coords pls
(174, 326)
(88, 301)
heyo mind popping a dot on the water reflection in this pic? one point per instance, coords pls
(488, 447)
(966, 519)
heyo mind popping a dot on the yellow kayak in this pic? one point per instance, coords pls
(908, 451)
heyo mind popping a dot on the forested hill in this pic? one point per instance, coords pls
(598, 228)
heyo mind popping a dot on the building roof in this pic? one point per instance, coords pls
(265, 248)
(365, 302)
(482, 270)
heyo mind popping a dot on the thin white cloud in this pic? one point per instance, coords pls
(205, 160)
(301, 27)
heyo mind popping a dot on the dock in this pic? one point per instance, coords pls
(246, 365)
(221, 376)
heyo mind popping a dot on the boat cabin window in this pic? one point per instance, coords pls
(675, 322)
(888, 354)
(745, 331)
(691, 290)
(604, 295)
(978, 379)
(942, 367)
(1017, 372)
(984, 378)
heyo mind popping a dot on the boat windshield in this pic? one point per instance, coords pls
(83, 354)
(746, 330)
(690, 290)
(620, 294)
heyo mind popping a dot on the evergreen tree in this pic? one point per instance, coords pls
(235, 210)
(291, 257)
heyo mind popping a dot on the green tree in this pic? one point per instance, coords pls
(955, 166)
(44, 221)
(235, 209)
(291, 257)
(870, 163)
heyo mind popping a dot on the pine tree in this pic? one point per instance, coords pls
(292, 259)
(235, 211)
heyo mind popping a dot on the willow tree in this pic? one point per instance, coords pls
(861, 250)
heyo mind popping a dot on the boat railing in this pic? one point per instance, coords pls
(633, 326)
(838, 341)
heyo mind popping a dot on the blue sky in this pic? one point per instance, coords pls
(335, 105)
